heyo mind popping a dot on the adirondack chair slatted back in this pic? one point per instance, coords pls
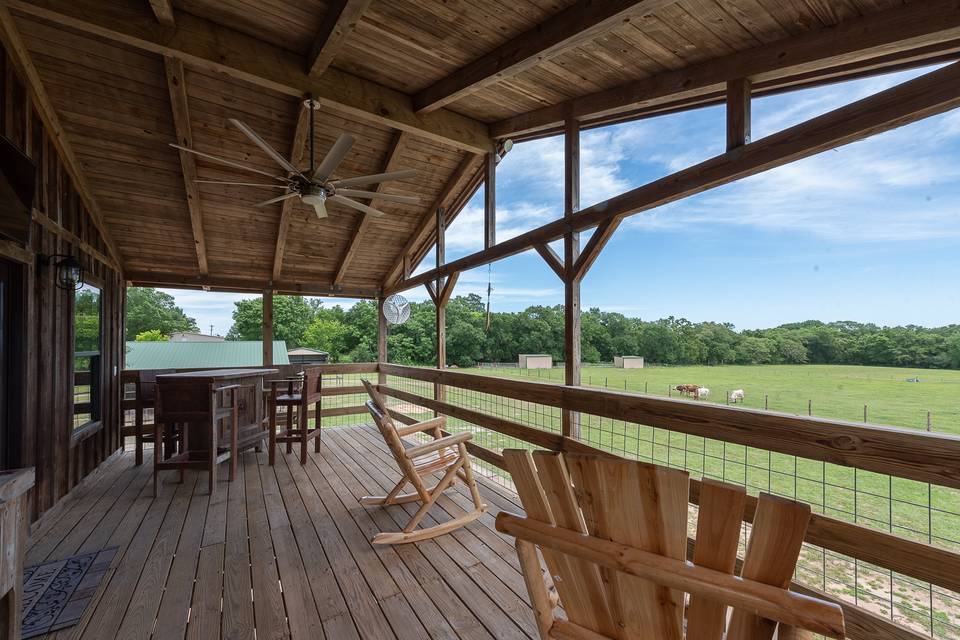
(645, 507)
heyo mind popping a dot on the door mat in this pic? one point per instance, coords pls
(56, 593)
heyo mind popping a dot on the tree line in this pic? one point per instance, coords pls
(350, 335)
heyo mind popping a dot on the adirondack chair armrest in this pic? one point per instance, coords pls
(425, 425)
(439, 443)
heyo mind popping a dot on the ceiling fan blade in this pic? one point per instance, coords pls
(260, 142)
(285, 196)
(357, 205)
(321, 209)
(333, 158)
(229, 163)
(387, 197)
(243, 184)
(375, 178)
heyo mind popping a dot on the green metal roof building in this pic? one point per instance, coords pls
(201, 355)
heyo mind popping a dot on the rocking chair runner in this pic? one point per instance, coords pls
(613, 535)
(446, 454)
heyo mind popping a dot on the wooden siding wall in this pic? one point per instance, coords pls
(61, 225)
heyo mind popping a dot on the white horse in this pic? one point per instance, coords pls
(702, 392)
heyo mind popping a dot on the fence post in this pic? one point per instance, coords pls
(624, 385)
(929, 422)
(669, 392)
(728, 396)
(766, 402)
(645, 382)
(810, 407)
(864, 413)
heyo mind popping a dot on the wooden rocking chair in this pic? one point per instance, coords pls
(613, 535)
(446, 454)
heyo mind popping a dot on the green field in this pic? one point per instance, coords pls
(831, 391)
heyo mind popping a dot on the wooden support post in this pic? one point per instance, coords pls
(489, 200)
(382, 332)
(571, 280)
(268, 327)
(738, 113)
(441, 304)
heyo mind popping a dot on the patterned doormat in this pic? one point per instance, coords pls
(56, 593)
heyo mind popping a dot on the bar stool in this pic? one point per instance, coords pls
(146, 399)
(301, 392)
(203, 410)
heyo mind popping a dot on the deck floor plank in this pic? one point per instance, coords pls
(285, 552)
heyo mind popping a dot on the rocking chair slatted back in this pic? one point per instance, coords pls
(613, 535)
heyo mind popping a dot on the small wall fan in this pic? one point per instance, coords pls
(396, 309)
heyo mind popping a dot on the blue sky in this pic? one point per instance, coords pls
(868, 232)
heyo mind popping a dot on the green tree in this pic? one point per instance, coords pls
(152, 335)
(149, 308)
(292, 315)
(328, 335)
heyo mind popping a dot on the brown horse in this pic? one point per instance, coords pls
(688, 389)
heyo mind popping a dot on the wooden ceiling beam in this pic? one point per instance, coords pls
(392, 163)
(927, 95)
(297, 147)
(584, 21)
(177, 86)
(467, 170)
(17, 50)
(163, 11)
(930, 28)
(243, 285)
(341, 19)
(207, 45)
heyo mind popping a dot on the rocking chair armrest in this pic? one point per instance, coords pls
(432, 423)
(439, 443)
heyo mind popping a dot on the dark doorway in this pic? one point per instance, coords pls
(12, 371)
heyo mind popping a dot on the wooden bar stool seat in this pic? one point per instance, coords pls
(295, 395)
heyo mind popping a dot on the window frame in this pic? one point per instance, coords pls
(81, 432)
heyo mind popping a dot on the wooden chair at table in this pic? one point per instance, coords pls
(146, 398)
(199, 405)
(445, 454)
(299, 393)
(613, 535)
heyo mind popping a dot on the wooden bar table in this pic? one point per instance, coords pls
(189, 399)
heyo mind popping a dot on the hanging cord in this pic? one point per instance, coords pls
(489, 290)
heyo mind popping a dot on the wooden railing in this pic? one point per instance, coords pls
(503, 407)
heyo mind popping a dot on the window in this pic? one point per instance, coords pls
(86, 356)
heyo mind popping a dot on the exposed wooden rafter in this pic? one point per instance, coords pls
(931, 28)
(552, 258)
(19, 54)
(177, 86)
(297, 146)
(214, 47)
(341, 19)
(928, 95)
(570, 28)
(400, 140)
(163, 10)
(244, 285)
(467, 169)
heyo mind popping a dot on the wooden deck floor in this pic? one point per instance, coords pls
(284, 552)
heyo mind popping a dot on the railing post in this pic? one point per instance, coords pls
(382, 332)
(571, 279)
(268, 327)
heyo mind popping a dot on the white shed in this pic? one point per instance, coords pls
(628, 362)
(535, 361)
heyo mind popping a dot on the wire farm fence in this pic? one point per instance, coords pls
(915, 510)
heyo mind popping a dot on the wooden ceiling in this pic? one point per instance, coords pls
(425, 84)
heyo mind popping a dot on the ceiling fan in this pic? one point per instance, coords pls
(314, 185)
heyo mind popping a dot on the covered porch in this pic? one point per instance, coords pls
(285, 551)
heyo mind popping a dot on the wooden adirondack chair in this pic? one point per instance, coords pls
(445, 454)
(613, 535)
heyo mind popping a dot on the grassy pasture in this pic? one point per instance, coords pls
(836, 391)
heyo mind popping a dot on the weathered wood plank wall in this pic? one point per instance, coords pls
(45, 438)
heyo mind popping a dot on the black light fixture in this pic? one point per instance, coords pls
(69, 271)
